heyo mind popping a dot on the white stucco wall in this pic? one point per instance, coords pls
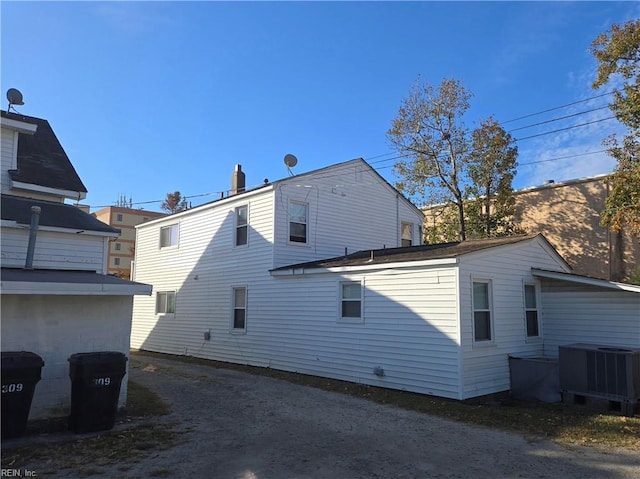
(55, 327)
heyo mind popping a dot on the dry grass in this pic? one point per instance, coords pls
(559, 422)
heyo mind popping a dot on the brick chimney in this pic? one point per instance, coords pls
(237, 181)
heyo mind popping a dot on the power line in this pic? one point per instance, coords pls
(558, 119)
(567, 128)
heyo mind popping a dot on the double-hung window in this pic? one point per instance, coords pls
(531, 310)
(242, 222)
(169, 235)
(406, 234)
(298, 215)
(351, 300)
(482, 315)
(166, 302)
(239, 299)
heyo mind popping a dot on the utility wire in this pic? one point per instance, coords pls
(567, 128)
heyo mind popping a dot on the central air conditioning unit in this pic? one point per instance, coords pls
(601, 371)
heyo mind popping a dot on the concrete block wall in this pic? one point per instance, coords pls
(55, 327)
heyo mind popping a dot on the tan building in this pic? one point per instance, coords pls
(121, 250)
(568, 214)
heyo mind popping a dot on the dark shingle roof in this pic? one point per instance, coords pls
(41, 159)
(410, 253)
(60, 215)
(61, 276)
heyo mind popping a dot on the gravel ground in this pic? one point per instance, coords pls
(234, 425)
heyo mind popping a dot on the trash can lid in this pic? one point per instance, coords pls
(97, 357)
(20, 359)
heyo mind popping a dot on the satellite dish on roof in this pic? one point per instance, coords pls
(290, 160)
(15, 97)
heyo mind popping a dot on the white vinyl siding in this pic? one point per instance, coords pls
(8, 149)
(349, 208)
(575, 313)
(54, 250)
(485, 367)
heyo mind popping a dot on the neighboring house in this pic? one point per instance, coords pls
(121, 249)
(245, 280)
(57, 299)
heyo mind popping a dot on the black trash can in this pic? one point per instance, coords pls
(20, 374)
(95, 389)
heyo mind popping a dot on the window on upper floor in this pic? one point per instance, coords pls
(118, 246)
(298, 226)
(406, 233)
(242, 222)
(531, 310)
(482, 311)
(165, 302)
(169, 235)
(119, 217)
(239, 318)
(351, 300)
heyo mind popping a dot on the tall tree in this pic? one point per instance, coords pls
(618, 54)
(430, 134)
(174, 203)
(492, 167)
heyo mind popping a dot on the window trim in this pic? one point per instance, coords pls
(232, 328)
(536, 287)
(237, 227)
(166, 294)
(402, 225)
(341, 299)
(306, 223)
(483, 342)
(171, 236)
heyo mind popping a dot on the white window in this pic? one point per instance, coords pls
(351, 300)
(116, 261)
(119, 217)
(165, 302)
(118, 246)
(169, 235)
(239, 319)
(298, 214)
(482, 316)
(531, 310)
(406, 234)
(242, 221)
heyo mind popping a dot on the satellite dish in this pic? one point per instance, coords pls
(290, 160)
(14, 96)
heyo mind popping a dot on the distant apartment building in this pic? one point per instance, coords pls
(568, 214)
(121, 250)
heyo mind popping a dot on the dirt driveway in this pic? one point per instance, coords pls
(234, 425)
(238, 425)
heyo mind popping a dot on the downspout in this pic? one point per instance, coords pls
(33, 231)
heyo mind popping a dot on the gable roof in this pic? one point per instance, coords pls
(41, 159)
(411, 253)
(581, 279)
(355, 161)
(57, 215)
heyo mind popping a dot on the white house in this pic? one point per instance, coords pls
(56, 297)
(246, 279)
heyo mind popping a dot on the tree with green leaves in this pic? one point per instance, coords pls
(491, 169)
(432, 139)
(174, 203)
(618, 54)
(466, 176)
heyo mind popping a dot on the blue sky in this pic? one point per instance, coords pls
(152, 97)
